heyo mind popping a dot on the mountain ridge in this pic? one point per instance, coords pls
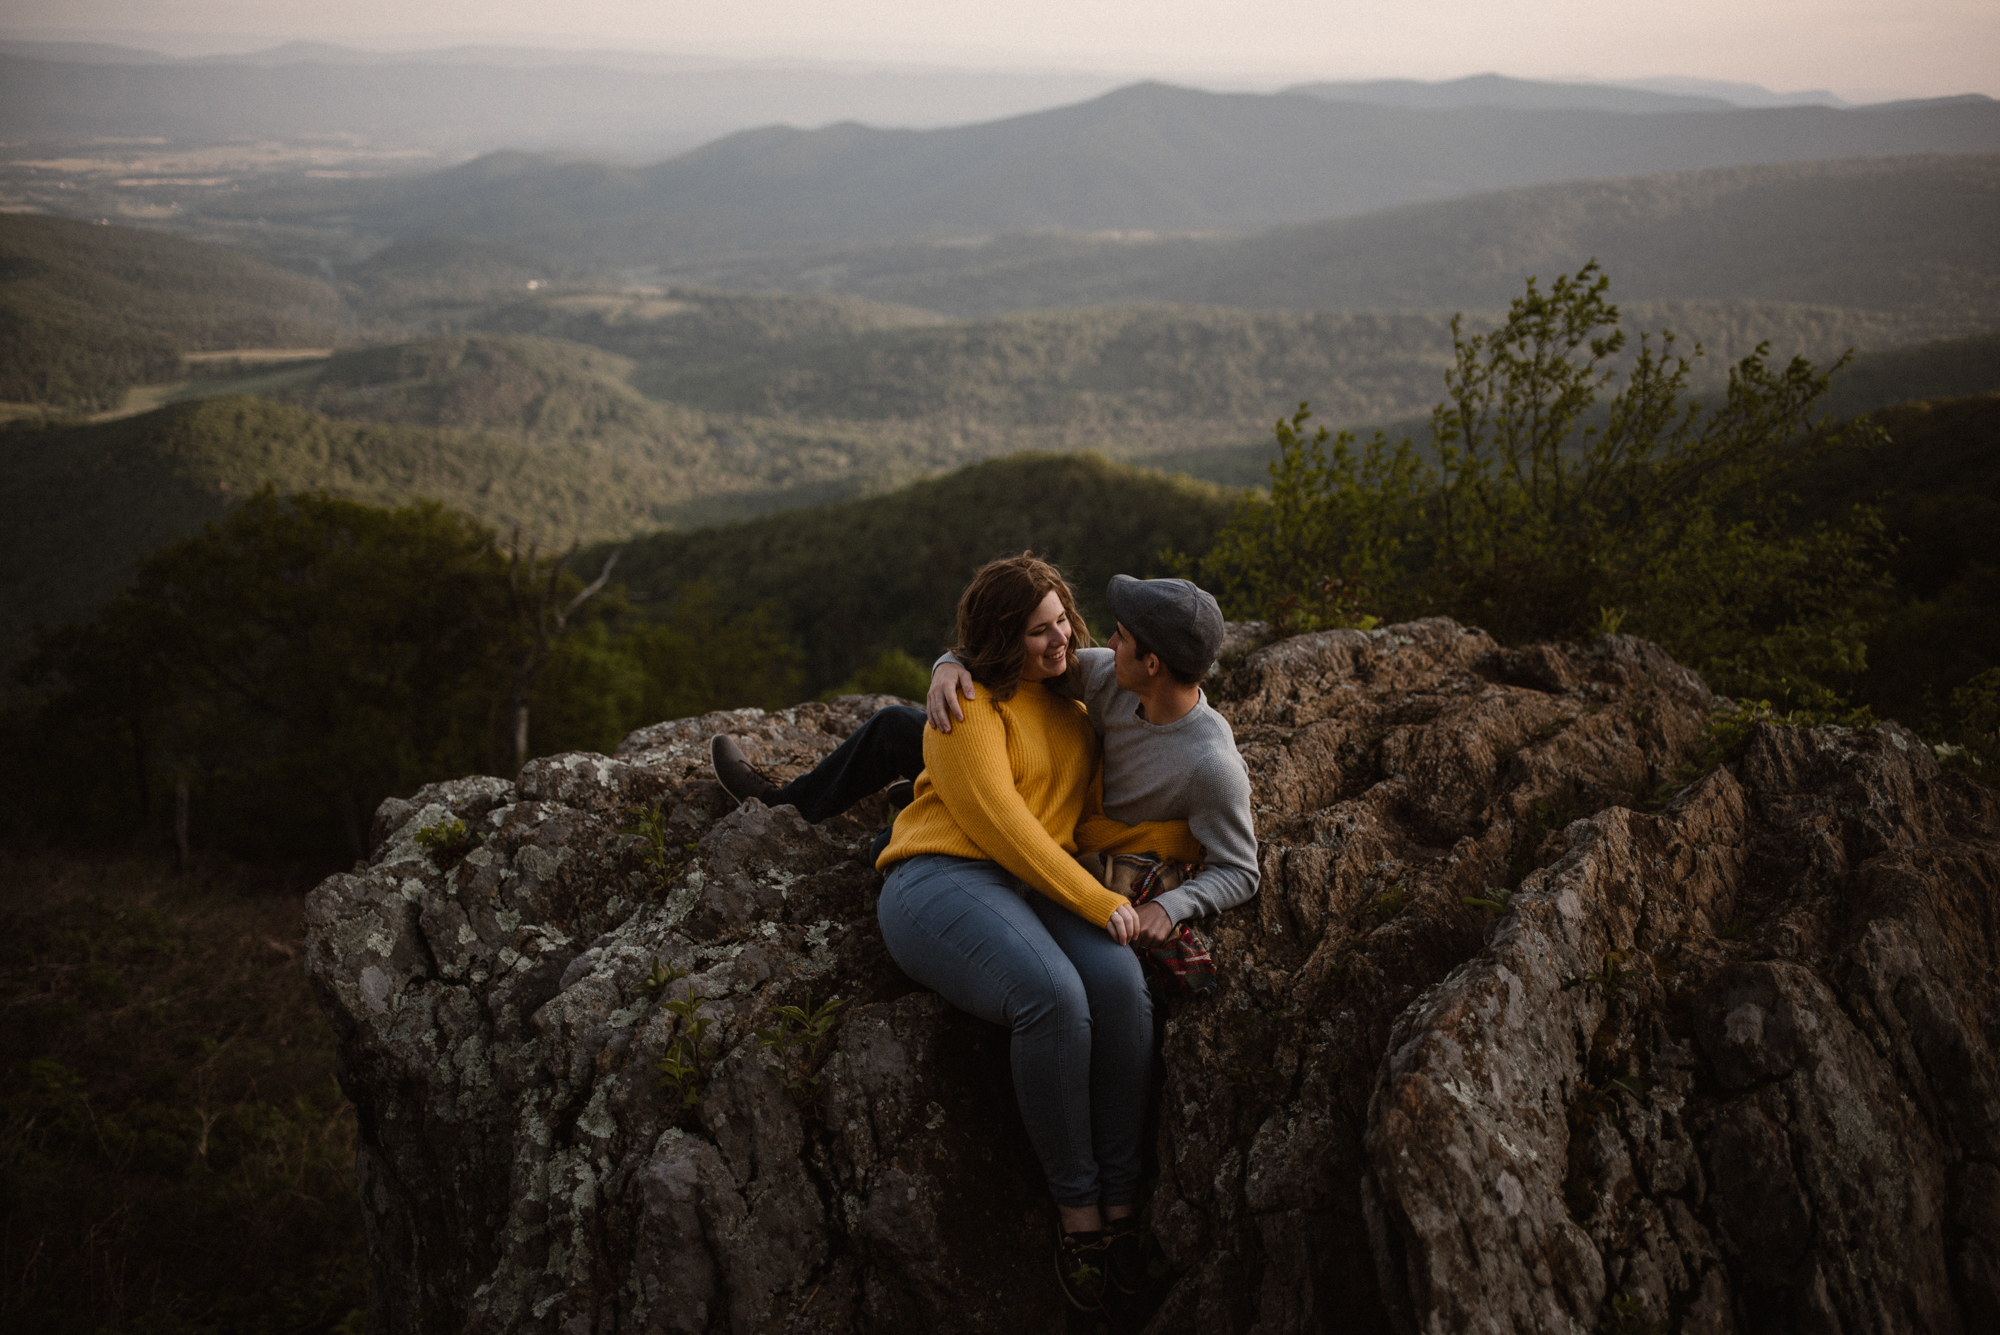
(1912, 231)
(1145, 157)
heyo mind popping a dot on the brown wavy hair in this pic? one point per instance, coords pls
(993, 615)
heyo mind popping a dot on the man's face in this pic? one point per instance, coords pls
(1132, 674)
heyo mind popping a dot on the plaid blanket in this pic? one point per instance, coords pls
(1184, 960)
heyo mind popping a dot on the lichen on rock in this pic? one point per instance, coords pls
(1729, 1065)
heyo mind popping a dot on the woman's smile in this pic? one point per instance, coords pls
(1047, 640)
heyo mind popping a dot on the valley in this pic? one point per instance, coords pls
(585, 351)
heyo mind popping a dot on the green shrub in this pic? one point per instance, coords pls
(1974, 743)
(1545, 516)
(893, 672)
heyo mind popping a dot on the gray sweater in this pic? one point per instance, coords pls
(1187, 770)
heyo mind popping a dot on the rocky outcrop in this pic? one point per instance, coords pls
(1726, 1064)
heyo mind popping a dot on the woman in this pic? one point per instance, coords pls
(985, 903)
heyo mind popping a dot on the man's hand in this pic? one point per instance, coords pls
(1124, 924)
(947, 680)
(1155, 928)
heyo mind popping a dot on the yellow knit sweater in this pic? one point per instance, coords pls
(1011, 784)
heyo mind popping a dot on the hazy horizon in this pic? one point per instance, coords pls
(1862, 54)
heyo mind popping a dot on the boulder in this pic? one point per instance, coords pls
(1525, 1031)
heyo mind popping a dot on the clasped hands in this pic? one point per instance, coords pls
(1146, 925)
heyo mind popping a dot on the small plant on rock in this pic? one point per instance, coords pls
(661, 978)
(1386, 905)
(689, 1060)
(663, 860)
(446, 843)
(1626, 1315)
(795, 1041)
(1497, 898)
(1610, 976)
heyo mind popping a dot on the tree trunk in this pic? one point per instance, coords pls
(182, 857)
(139, 768)
(520, 734)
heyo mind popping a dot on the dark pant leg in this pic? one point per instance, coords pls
(964, 929)
(888, 747)
(1121, 1045)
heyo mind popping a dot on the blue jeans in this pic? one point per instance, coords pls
(1076, 1001)
(888, 747)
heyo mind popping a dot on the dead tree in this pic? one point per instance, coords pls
(540, 619)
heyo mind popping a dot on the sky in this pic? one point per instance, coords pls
(1862, 51)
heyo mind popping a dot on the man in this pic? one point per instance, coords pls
(1168, 755)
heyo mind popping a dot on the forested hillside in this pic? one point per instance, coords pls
(1901, 235)
(87, 311)
(903, 558)
(557, 437)
(1142, 368)
(80, 504)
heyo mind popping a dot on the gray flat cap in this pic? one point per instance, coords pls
(1172, 617)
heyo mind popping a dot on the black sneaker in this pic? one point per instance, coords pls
(738, 777)
(1125, 1255)
(1080, 1268)
(901, 793)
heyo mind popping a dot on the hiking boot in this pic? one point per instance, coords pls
(1080, 1268)
(1125, 1255)
(901, 793)
(738, 777)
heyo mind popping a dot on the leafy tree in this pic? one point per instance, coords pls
(900, 561)
(1547, 516)
(893, 672)
(699, 657)
(305, 657)
(295, 663)
(1338, 530)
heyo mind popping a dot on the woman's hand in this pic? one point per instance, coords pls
(1147, 925)
(947, 681)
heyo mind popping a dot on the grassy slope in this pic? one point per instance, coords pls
(86, 311)
(853, 579)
